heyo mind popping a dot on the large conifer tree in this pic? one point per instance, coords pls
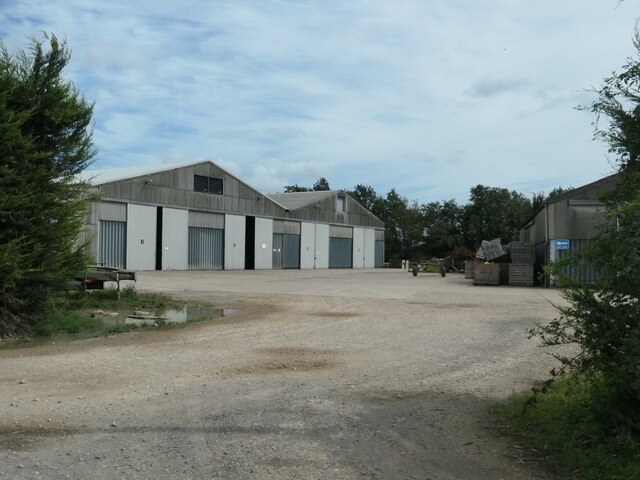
(45, 141)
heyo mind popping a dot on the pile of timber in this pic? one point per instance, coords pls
(499, 265)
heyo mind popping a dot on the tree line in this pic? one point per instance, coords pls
(416, 230)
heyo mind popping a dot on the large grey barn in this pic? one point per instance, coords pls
(567, 223)
(200, 217)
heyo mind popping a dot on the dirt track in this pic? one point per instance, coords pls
(319, 375)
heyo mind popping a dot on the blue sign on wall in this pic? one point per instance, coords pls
(562, 244)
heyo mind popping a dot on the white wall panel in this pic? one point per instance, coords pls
(369, 248)
(307, 245)
(141, 237)
(358, 247)
(264, 243)
(175, 239)
(322, 246)
(234, 238)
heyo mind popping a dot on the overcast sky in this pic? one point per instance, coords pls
(428, 96)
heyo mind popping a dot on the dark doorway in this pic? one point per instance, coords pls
(159, 238)
(250, 244)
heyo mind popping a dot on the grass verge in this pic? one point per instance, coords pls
(566, 437)
(69, 318)
(109, 299)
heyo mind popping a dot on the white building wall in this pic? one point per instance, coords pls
(307, 245)
(141, 237)
(322, 246)
(264, 243)
(369, 248)
(234, 237)
(175, 239)
(358, 247)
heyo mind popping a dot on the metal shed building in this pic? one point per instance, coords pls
(567, 223)
(200, 217)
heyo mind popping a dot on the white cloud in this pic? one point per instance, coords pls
(427, 97)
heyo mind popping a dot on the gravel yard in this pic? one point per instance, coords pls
(327, 374)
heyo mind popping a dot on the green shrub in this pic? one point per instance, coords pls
(568, 434)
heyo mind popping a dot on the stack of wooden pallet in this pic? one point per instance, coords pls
(523, 258)
(468, 269)
(491, 267)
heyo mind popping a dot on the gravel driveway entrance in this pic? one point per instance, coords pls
(320, 375)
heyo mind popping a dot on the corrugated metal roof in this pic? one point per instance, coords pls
(294, 200)
(106, 175)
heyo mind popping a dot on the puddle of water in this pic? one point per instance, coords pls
(138, 318)
(169, 316)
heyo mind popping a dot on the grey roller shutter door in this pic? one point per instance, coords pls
(206, 248)
(379, 253)
(286, 245)
(340, 252)
(113, 243)
(291, 250)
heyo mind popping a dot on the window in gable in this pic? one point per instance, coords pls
(208, 184)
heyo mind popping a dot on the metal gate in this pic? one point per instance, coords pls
(113, 244)
(206, 248)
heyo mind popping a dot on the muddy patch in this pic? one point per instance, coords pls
(18, 438)
(291, 359)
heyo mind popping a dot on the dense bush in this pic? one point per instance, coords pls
(602, 320)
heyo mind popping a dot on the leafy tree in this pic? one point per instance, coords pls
(602, 320)
(558, 191)
(539, 199)
(45, 143)
(403, 225)
(295, 188)
(368, 198)
(494, 213)
(443, 221)
(321, 184)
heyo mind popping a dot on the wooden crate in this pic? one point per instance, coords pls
(521, 274)
(486, 274)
